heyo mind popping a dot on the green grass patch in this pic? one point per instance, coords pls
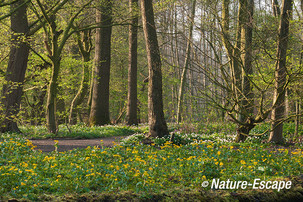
(143, 170)
(212, 131)
(81, 131)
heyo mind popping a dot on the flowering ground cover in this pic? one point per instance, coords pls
(162, 168)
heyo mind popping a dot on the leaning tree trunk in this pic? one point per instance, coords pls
(156, 120)
(85, 49)
(99, 114)
(14, 78)
(186, 63)
(278, 113)
(131, 114)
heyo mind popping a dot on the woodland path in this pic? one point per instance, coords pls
(47, 145)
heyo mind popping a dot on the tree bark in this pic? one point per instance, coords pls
(55, 55)
(156, 120)
(186, 62)
(52, 94)
(85, 49)
(233, 51)
(297, 119)
(17, 65)
(131, 114)
(276, 8)
(99, 114)
(54, 45)
(278, 113)
(247, 102)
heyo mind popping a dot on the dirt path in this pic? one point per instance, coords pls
(69, 144)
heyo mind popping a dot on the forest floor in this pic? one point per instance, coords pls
(136, 171)
(48, 145)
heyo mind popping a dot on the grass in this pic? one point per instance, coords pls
(80, 131)
(134, 170)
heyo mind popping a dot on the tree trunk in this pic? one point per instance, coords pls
(233, 51)
(276, 8)
(99, 114)
(131, 114)
(247, 102)
(51, 96)
(156, 120)
(297, 102)
(55, 56)
(14, 78)
(85, 48)
(186, 62)
(297, 119)
(276, 134)
(244, 129)
(54, 45)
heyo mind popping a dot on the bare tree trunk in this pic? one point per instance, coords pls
(233, 51)
(278, 113)
(55, 56)
(297, 120)
(297, 102)
(131, 114)
(99, 114)
(247, 102)
(276, 8)
(14, 77)
(186, 62)
(287, 104)
(91, 87)
(156, 120)
(85, 49)
(52, 95)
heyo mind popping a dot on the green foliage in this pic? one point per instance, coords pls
(143, 169)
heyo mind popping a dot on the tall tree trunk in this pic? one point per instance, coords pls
(14, 78)
(99, 114)
(131, 114)
(276, 134)
(54, 45)
(233, 51)
(247, 102)
(51, 121)
(297, 102)
(297, 119)
(276, 8)
(186, 62)
(85, 49)
(156, 120)
(55, 56)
